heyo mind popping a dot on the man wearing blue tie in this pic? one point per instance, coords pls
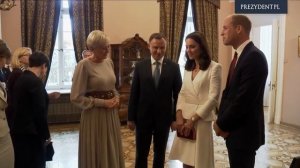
(151, 111)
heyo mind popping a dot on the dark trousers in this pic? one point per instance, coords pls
(143, 142)
(29, 151)
(241, 158)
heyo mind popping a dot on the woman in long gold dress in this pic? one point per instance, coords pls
(94, 91)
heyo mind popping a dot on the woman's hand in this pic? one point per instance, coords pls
(111, 103)
(187, 127)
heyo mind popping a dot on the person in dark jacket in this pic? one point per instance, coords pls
(152, 105)
(241, 115)
(19, 63)
(30, 131)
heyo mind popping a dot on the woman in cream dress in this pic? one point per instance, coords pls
(197, 104)
(6, 147)
(93, 90)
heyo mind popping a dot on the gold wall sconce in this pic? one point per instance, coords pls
(6, 5)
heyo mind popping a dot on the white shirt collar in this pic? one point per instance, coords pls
(160, 61)
(240, 49)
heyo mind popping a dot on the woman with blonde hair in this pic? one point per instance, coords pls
(20, 58)
(19, 63)
(93, 90)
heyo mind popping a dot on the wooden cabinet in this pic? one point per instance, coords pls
(125, 56)
(131, 50)
(114, 54)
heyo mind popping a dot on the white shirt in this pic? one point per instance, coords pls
(153, 65)
(240, 49)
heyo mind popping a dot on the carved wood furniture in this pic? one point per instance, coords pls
(128, 53)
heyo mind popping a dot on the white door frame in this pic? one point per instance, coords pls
(273, 71)
(280, 66)
(276, 71)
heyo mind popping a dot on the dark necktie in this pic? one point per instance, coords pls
(156, 73)
(2, 76)
(231, 68)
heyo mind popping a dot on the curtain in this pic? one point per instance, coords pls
(39, 23)
(86, 16)
(173, 15)
(215, 2)
(205, 15)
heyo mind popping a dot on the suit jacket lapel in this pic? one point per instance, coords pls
(243, 54)
(163, 72)
(241, 57)
(148, 72)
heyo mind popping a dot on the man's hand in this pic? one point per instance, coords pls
(54, 95)
(47, 141)
(173, 126)
(179, 118)
(131, 125)
(220, 132)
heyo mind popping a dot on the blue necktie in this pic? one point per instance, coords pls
(156, 73)
(2, 76)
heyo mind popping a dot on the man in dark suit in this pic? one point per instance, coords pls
(155, 87)
(30, 130)
(241, 116)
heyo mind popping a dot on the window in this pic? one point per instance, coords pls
(189, 28)
(63, 58)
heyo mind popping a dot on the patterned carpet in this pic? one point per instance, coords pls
(283, 143)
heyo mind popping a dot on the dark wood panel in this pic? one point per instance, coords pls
(125, 56)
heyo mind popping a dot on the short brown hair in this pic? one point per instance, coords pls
(156, 36)
(4, 50)
(37, 59)
(242, 20)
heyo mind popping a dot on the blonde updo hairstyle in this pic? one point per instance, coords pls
(18, 53)
(96, 39)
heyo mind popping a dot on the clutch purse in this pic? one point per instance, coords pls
(191, 136)
(49, 152)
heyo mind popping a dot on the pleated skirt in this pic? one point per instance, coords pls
(100, 143)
